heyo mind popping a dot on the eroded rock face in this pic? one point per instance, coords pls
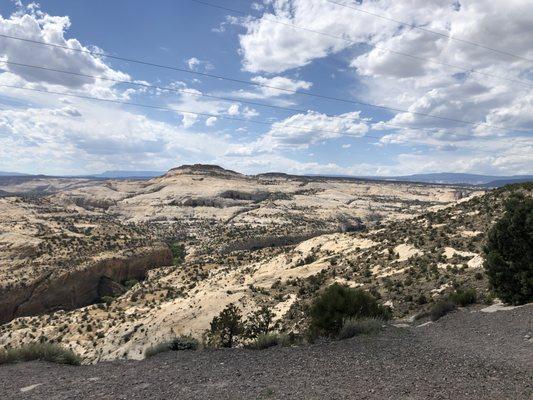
(78, 287)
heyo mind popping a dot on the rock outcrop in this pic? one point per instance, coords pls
(80, 286)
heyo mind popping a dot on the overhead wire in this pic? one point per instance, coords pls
(468, 69)
(424, 29)
(195, 93)
(259, 84)
(180, 111)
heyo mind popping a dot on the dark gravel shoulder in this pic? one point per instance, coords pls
(466, 355)
(503, 337)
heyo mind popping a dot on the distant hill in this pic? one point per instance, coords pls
(459, 178)
(438, 177)
(127, 174)
(5, 173)
(507, 181)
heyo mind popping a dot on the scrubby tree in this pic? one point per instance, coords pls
(178, 253)
(340, 302)
(260, 322)
(226, 327)
(509, 252)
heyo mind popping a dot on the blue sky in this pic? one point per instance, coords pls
(46, 133)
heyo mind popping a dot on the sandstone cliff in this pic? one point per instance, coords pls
(80, 286)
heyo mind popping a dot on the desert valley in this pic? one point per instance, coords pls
(110, 268)
(268, 199)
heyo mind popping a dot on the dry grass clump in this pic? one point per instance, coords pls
(360, 326)
(39, 351)
(177, 344)
(266, 340)
(440, 309)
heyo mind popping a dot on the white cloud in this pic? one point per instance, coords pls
(193, 63)
(281, 84)
(515, 161)
(42, 27)
(211, 121)
(273, 88)
(196, 64)
(193, 101)
(315, 128)
(303, 130)
(274, 48)
(99, 135)
(420, 85)
(83, 136)
(233, 109)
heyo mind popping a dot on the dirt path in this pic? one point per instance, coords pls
(466, 355)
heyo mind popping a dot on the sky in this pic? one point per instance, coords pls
(387, 98)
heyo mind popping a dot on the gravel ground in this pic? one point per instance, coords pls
(466, 355)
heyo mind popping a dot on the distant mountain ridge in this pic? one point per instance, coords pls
(460, 178)
(118, 174)
(453, 178)
(5, 173)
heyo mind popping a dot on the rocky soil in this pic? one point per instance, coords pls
(468, 354)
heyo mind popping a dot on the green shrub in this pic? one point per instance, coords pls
(226, 327)
(178, 253)
(422, 299)
(39, 351)
(509, 252)
(463, 297)
(488, 299)
(440, 309)
(130, 283)
(107, 299)
(177, 344)
(340, 302)
(359, 326)
(264, 341)
(184, 343)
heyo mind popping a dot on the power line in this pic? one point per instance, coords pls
(361, 10)
(161, 108)
(258, 84)
(172, 89)
(194, 93)
(277, 21)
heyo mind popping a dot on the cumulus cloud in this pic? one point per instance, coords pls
(41, 27)
(281, 84)
(300, 131)
(236, 110)
(271, 47)
(83, 136)
(192, 101)
(423, 84)
(99, 137)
